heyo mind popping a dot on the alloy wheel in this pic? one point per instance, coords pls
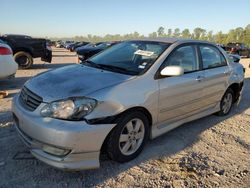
(131, 136)
(227, 103)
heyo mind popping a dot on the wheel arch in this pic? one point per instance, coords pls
(236, 87)
(116, 117)
(27, 50)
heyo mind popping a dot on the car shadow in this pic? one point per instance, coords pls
(164, 146)
(59, 50)
(13, 84)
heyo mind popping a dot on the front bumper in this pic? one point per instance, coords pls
(84, 141)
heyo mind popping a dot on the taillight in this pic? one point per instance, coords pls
(5, 51)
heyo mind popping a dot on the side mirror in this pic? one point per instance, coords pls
(172, 71)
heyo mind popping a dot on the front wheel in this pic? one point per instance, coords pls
(128, 138)
(226, 102)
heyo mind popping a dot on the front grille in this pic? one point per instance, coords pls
(29, 99)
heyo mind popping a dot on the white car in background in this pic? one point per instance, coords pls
(8, 66)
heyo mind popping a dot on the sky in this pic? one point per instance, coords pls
(69, 18)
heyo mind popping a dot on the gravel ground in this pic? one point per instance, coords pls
(209, 152)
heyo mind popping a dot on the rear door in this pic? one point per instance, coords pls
(181, 96)
(216, 73)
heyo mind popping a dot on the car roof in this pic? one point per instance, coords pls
(170, 40)
(14, 35)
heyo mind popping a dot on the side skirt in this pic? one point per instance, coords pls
(164, 127)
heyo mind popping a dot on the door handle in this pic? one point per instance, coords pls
(200, 78)
(226, 73)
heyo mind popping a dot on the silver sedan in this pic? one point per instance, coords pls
(118, 99)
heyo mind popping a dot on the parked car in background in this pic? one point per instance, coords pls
(59, 44)
(25, 48)
(66, 43)
(238, 48)
(70, 45)
(118, 99)
(234, 57)
(74, 46)
(8, 66)
(88, 51)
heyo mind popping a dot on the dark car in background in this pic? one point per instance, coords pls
(238, 48)
(76, 45)
(68, 47)
(67, 43)
(25, 48)
(59, 44)
(87, 51)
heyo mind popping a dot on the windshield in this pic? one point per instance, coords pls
(133, 57)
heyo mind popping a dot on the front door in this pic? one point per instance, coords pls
(181, 96)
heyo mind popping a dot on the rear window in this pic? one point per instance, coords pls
(211, 57)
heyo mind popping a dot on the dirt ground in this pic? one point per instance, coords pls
(209, 152)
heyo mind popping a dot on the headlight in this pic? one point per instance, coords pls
(70, 109)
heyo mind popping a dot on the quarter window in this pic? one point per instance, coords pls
(211, 57)
(185, 57)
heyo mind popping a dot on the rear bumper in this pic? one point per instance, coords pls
(48, 56)
(83, 141)
(8, 67)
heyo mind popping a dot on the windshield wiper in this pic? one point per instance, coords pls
(109, 67)
(117, 69)
(91, 63)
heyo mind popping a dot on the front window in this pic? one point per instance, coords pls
(133, 57)
(185, 57)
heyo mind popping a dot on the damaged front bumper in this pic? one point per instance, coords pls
(73, 145)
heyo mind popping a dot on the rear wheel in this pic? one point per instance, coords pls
(226, 102)
(23, 59)
(128, 138)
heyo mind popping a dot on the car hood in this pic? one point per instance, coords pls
(72, 81)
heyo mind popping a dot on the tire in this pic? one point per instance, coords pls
(225, 107)
(116, 149)
(23, 59)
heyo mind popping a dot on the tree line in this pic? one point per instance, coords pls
(238, 34)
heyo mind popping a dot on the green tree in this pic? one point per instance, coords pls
(199, 33)
(239, 34)
(169, 33)
(153, 35)
(161, 31)
(247, 35)
(210, 36)
(176, 32)
(185, 33)
(220, 38)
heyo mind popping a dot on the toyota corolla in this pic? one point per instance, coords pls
(122, 97)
